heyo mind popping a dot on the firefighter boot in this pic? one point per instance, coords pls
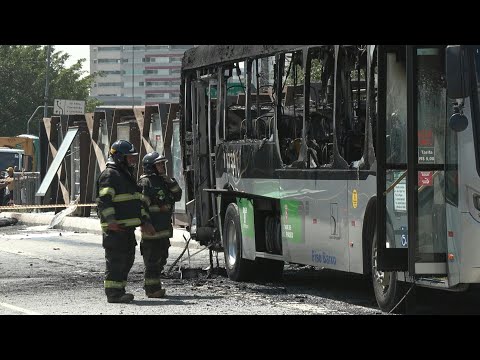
(124, 298)
(156, 294)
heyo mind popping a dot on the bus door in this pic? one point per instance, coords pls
(201, 156)
(411, 220)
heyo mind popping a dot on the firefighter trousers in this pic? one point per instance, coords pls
(119, 256)
(155, 254)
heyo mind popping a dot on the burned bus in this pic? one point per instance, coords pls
(356, 158)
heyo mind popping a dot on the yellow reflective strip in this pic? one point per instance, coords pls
(130, 222)
(154, 208)
(151, 237)
(127, 197)
(163, 232)
(110, 284)
(158, 235)
(123, 197)
(124, 283)
(108, 211)
(106, 190)
(152, 282)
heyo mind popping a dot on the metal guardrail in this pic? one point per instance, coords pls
(26, 186)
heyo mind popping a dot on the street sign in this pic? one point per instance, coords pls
(68, 107)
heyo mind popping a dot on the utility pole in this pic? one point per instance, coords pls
(42, 135)
(45, 108)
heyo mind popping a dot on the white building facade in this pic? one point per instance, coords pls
(136, 74)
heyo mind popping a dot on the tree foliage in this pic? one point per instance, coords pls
(22, 85)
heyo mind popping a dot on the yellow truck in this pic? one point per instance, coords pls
(20, 152)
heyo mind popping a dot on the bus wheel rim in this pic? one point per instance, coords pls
(232, 244)
(381, 277)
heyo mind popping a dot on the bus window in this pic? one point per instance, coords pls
(290, 122)
(320, 118)
(373, 105)
(396, 105)
(262, 97)
(432, 107)
(235, 124)
(350, 103)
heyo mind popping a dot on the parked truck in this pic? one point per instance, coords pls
(20, 152)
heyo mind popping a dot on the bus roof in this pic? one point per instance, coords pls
(206, 55)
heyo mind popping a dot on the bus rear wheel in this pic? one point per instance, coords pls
(388, 290)
(238, 269)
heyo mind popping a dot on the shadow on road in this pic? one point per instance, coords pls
(174, 300)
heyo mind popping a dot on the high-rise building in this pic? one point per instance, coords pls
(136, 74)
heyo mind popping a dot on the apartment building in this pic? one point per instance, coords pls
(136, 74)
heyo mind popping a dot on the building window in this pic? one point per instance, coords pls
(105, 84)
(152, 96)
(105, 48)
(108, 61)
(158, 47)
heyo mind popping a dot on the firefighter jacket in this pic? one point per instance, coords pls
(159, 196)
(119, 199)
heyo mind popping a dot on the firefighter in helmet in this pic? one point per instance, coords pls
(160, 192)
(120, 210)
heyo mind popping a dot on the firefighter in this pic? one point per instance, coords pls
(160, 192)
(120, 210)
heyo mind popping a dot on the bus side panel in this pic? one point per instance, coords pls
(453, 227)
(470, 251)
(314, 222)
(247, 224)
(467, 239)
(359, 194)
(264, 187)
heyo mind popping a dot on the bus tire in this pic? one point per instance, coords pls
(238, 269)
(388, 290)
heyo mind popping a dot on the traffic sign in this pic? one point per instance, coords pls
(68, 107)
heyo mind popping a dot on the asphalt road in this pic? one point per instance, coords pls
(52, 272)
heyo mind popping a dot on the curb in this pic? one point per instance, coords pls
(71, 223)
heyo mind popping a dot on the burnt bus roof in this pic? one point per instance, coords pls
(206, 55)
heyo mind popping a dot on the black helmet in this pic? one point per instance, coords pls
(120, 149)
(149, 161)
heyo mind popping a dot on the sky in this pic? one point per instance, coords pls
(76, 52)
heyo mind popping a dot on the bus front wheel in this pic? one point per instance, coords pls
(388, 290)
(238, 269)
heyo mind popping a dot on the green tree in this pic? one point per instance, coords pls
(22, 85)
(91, 104)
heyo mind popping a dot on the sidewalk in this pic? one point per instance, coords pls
(92, 226)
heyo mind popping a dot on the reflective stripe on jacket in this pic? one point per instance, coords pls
(159, 197)
(119, 199)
